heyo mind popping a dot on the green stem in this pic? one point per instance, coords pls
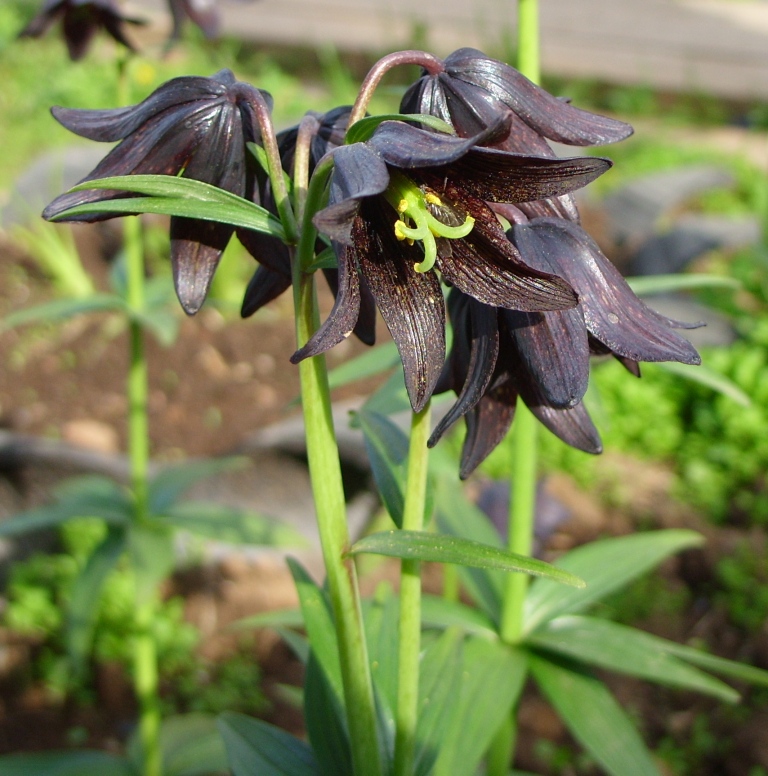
(145, 673)
(409, 635)
(325, 475)
(521, 516)
(528, 55)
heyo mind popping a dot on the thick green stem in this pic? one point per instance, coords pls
(528, 55)
(325, 474)
(409, 635)
(521, 516)
(145, 673)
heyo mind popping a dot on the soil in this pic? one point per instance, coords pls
(222, 380)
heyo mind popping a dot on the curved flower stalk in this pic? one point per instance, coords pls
(543, 357)
(273, 276)
(407, 202)
(80, 21)
(192, 126)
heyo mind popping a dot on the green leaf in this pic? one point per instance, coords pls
(81, 763)
(152, 558)
(457, 516)
(438, 613)
(594, 718)
(171, 483)
(86, 596)
(391, 397)
(369, 364)
(163, 324)
(439, 686)
(627, 651)
(191, 745)
(255, 747)
(493, 675)
(173, 196)
(318, 619)
(387, 448)
(664, 284)
(381, 616)
(709, 378)
(363, 129)
(605, 566)
(277, 618)
(91, 496)
(232, 525)
(326, 723)
(425, 546)
(326, 259)
(62, 309)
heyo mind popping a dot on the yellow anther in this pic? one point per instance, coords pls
(432, 199)
(402, 206)
(399, 233)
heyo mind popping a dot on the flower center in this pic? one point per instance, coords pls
(416, 222)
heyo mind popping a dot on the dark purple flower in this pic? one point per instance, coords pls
(202, 13)
(195, 126)
(408, 200)
(543, 357)
(80, 21)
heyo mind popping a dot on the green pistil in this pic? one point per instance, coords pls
(416, 223)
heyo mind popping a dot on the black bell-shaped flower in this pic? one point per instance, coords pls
(80, 21)
(543, 357)
(194, 126)
(408, 201)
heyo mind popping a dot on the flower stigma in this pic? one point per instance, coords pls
(416, 222)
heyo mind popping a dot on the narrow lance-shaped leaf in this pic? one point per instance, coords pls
(425, 546)
(708, 377)
(255, 747)
(86, 596)
(605, 566)
(627, 651)
(63, 309)
(169, 195)
(81, 763)
(594, 717)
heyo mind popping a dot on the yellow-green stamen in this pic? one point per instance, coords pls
(416, 223)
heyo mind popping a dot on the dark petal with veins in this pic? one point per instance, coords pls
(572, 425)
(410, 302)
(487, 425)
(555, 352)
(485, 265)
(343, 317)
(475, 348)
(550, 117)
(613, 314)
(263, 287)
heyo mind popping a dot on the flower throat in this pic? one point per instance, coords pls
(416, 222)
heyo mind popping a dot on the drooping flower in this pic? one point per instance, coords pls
(195, 126)
(408, 200)
(473, 90)
(80, 21)
(543, 357)
(202, 13)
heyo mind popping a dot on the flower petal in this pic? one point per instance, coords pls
(613, 314)
(572, 425)
(554, 350)
(116, 124)
(346, 309)
(263, 287)
(358, 173)
(549, 116)
(498, 176)
(487, 425)
(485, 265)
(410, 302)
(473, 358)
(406, 146)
